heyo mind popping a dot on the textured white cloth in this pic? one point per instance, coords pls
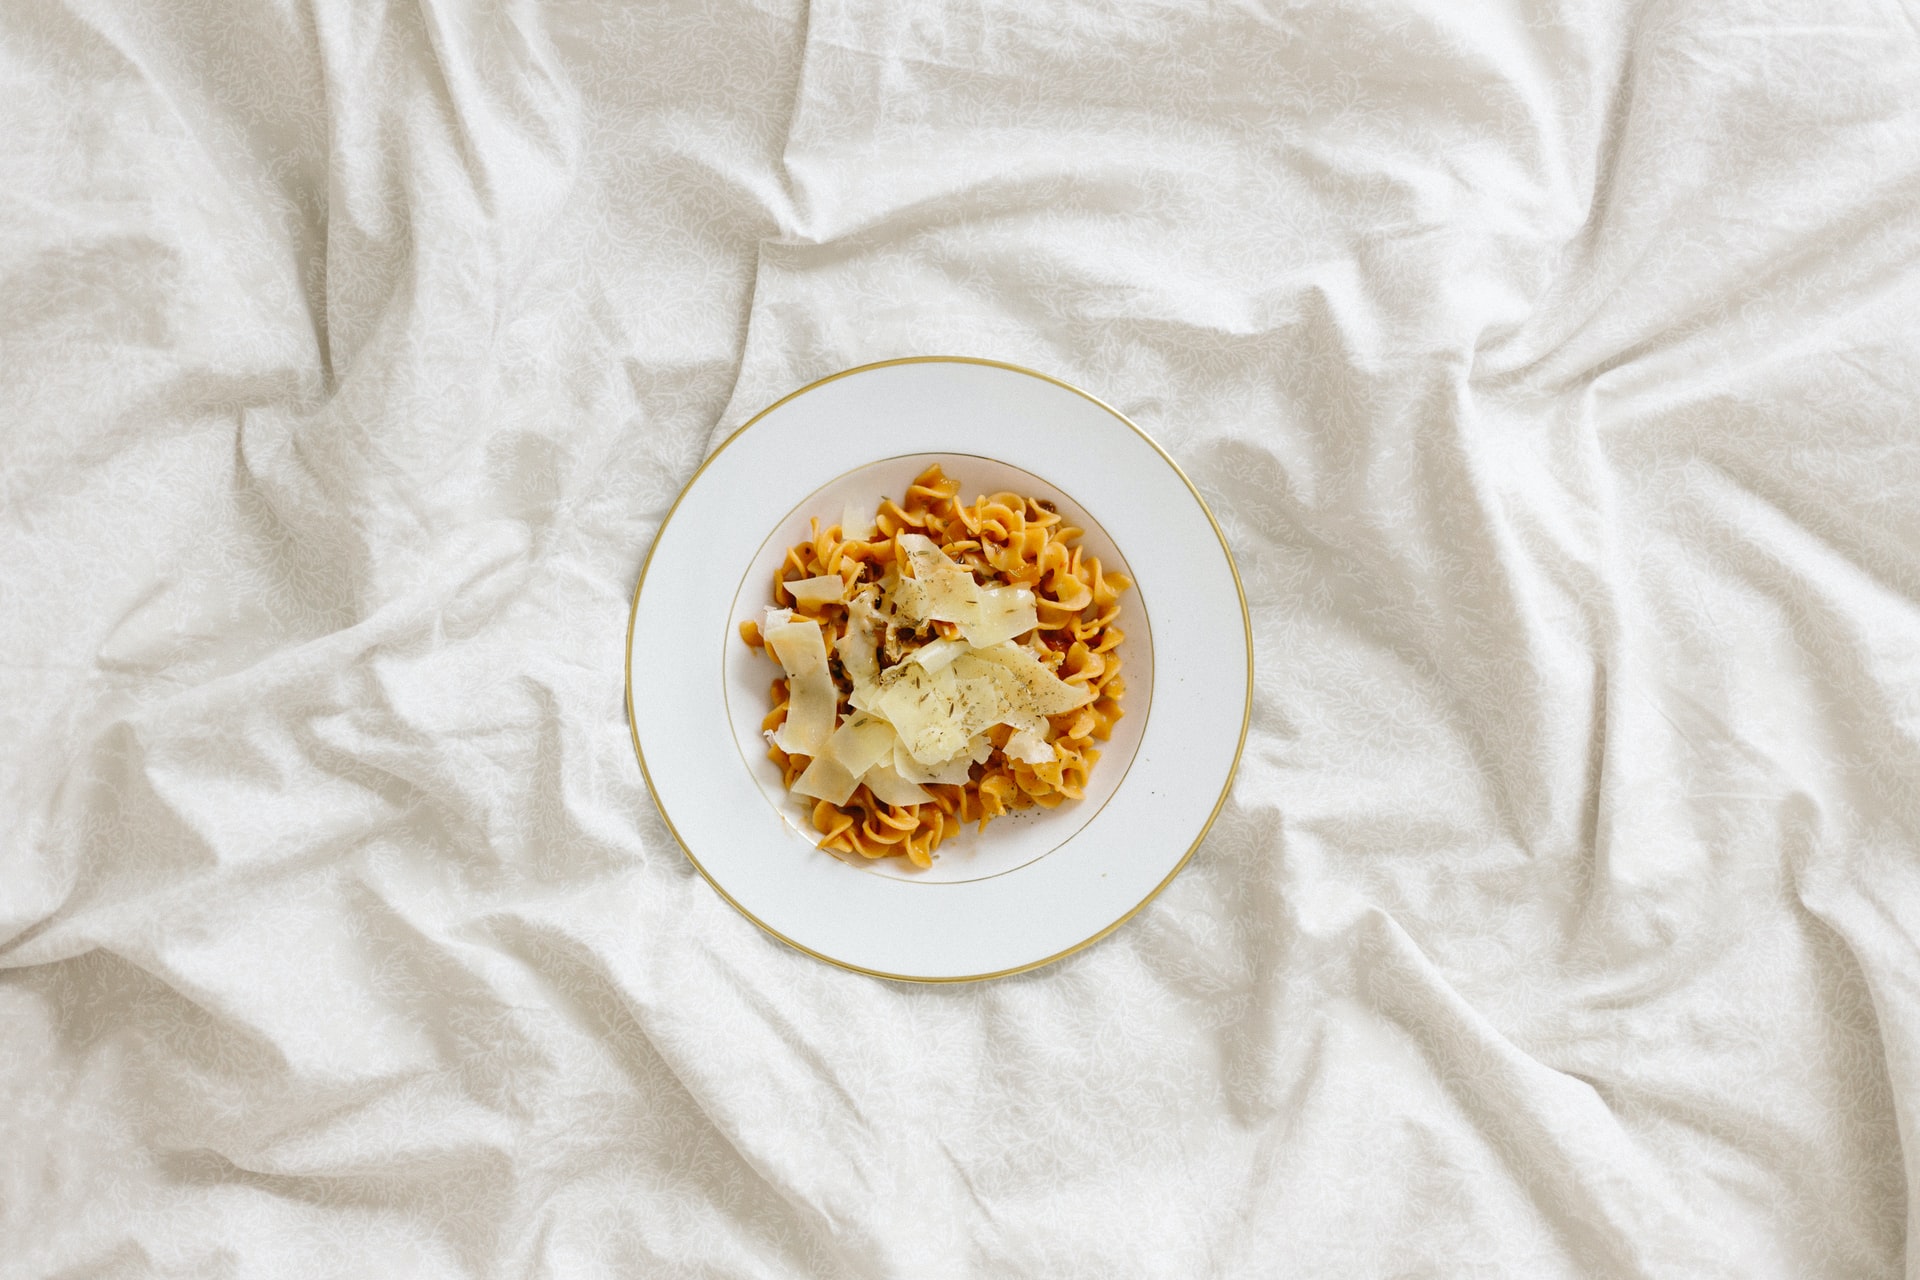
(1552, 371)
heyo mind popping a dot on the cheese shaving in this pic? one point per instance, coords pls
(860, 742)
(826, 779)
(1028, 684)
(982, 704)
(812, 701)
(939, 697)
(1028, 747)
(889, 787)
(827, 589)
(907, 601)
(946, 591)
(1004, 613)
(854, 526)
(922, 706)
(937, 655)
(955, 772)
(858, 648)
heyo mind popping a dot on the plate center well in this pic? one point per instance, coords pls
(1008, 843)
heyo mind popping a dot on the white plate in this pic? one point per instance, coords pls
(1034, 886)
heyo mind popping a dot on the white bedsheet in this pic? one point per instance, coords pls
(1554, 371)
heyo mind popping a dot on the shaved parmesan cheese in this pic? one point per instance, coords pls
(860, 742)
(938, 714)
(889, 787)
(920, 705)
(936, 655)
(1004, 612)
(907, 600)
(982, 703)
(952, 597)
(858, 648)
(855, 527)
(925, 555)
(775, 618)
(1029, 747)
(944, 591)
(942, 695)
(826, 589)
(826, 779)
(812, 701)
(1029, 686)
(954, 772)
(951, 594)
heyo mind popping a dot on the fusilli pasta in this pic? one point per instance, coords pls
(1005, 540)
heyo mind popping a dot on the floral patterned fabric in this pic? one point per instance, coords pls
(1550, 369)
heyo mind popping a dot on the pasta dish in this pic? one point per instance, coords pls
(941, 664)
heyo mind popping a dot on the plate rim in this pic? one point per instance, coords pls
(1246, 628)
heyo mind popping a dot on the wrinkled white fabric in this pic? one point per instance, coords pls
(1551, 370)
